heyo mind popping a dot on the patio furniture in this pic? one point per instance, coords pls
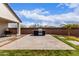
(7, 32)
(2, 35)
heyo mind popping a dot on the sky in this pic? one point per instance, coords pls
(53, 14)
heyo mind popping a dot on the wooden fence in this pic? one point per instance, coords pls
(58, 31)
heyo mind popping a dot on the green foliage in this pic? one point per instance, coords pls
(71, 26)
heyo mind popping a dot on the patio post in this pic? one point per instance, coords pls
(18, 29)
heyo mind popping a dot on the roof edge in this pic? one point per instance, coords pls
(12, 11)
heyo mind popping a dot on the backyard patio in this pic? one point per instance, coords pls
(35, 39)
(47, 42)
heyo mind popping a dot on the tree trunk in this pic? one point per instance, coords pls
(68, 32)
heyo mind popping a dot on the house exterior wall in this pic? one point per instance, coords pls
(6, 13)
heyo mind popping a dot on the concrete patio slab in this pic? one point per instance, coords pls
(47, 42)
(9, 39)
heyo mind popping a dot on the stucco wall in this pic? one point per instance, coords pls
(6, 13)
(3, 26)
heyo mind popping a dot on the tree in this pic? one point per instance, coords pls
(70, 26)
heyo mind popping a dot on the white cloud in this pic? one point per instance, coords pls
(69, 5)
(72, 5)
(30, 23)
(39, 14)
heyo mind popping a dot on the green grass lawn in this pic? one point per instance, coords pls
(65, 41)
(39, 53)
(43, 52)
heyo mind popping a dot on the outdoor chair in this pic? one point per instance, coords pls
(7, 33)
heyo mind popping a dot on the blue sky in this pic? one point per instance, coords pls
(54, 14)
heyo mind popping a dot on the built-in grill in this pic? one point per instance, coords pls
(39, 32)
